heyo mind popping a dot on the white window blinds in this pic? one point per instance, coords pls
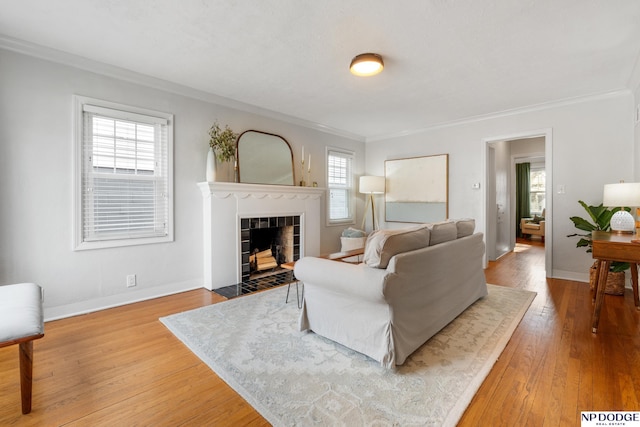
(340, 185)
(124, 175)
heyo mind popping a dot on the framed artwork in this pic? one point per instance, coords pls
(417, 189)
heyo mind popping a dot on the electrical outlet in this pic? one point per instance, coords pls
(131, 280)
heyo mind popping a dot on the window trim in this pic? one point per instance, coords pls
(131, 113)
(352, 188)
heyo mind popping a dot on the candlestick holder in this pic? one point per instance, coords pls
(303, 183)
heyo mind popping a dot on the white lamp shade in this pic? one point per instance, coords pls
(372, 184)
(622, 194)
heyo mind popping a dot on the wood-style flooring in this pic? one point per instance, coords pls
(122, 367)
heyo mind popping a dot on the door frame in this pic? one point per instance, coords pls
(547, 133)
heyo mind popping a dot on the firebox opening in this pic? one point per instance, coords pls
(267, 249)
(267, 243)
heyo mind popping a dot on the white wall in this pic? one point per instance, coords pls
(636, 119)
(593, 144)
(36, 186)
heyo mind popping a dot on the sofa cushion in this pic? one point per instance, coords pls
(465, 227)
(382, 245)
(442, 232)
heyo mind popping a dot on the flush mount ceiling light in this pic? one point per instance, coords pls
(366, 64)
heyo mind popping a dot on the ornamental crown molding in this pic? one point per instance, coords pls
(223, 190)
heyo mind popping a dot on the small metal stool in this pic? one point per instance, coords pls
(299, 297)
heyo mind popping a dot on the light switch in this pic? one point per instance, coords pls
(561, 189)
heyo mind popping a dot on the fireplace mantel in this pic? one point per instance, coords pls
(222, 190)
(225, 203)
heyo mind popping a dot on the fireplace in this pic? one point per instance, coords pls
(268, 242)
(229, 207)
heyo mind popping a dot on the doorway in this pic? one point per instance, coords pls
(500, 157)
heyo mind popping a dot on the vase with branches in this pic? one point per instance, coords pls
(222, 145)
(223, 142)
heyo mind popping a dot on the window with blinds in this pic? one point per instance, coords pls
(340, 186)
(125, 176)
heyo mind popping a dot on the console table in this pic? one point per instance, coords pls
(608, 247)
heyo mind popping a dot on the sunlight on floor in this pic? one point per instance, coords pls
(520, 247)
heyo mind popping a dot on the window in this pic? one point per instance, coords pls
(340, 186)
(123, 175)
(537, 191)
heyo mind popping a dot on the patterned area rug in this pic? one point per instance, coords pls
(297, 378)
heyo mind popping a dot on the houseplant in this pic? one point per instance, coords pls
(222, 144)
(600, 217)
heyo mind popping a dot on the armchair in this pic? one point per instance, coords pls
(533, 226)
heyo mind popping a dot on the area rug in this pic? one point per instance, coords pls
(299, 378)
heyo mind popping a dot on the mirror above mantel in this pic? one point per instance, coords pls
(264, 158)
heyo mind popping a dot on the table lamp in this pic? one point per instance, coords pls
(371, 185)
(622, 194)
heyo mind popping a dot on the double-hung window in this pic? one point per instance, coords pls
(537, 189)
(340, 186)
(123, 175)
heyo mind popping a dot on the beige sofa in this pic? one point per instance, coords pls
(413, 282)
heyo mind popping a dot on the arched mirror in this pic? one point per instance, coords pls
(264, 158)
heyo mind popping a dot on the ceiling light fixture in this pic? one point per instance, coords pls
(366, 64)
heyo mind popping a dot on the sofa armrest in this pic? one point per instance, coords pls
(341, 277)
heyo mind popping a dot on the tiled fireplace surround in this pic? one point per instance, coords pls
(225, 205)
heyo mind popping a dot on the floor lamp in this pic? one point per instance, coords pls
(371, 185)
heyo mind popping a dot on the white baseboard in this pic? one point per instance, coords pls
(83, 307)
(584, 277)
(571, 275)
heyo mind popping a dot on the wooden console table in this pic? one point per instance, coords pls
(608, 247)
(341, 256)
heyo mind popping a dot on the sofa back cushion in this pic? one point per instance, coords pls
(465, 226)
(382, 245)
(442, 232)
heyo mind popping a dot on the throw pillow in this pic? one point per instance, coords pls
(442, 232)
(465, 226)
(351, 243)
(382, 245)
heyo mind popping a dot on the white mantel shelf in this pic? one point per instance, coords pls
(226, 203)
(222, 190)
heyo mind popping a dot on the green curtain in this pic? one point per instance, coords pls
(522, 194)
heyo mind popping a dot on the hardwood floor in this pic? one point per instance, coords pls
(123, 367)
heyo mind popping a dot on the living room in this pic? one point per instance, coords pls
(590, 140)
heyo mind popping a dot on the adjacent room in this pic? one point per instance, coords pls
(328, 213)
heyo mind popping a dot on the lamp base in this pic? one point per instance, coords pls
(622, 222)
(622, 232)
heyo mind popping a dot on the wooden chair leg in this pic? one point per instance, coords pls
(26, 371)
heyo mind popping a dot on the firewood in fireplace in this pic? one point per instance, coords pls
(265, 260)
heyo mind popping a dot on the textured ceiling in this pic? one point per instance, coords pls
(445, 60)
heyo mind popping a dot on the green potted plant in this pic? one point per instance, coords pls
(222, 144)
(600, 217)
